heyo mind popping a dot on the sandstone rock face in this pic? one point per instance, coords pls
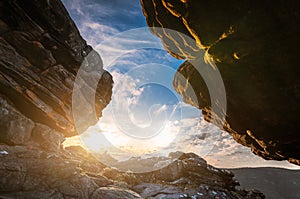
(41, 51)
(254, 46)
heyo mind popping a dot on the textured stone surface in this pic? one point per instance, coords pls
(187, 177)
(41, 51)
(34, 173)
(47, 138)
(255, 47)
(15, 127)
(114, 192)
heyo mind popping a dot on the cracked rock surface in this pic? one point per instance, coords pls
(31, 172)
(41, 51)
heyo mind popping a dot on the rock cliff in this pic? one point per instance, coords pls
(41, 52)
(254, 45)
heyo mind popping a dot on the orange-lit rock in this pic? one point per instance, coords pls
(255, 47)
(41, 51)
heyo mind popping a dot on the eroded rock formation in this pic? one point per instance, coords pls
(254, 45)
(188, 176)
(41, 52)
(73, 173)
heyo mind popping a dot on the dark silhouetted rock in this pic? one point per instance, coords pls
(254, 45)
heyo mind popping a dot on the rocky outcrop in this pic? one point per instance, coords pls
(41, 51)
(29, 172)
(188, 176)
(254, 45)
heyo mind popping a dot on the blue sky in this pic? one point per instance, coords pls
(146, 116)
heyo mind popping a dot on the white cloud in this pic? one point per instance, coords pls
(186, 133)
(93, 31)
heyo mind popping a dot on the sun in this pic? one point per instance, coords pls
(108, 138)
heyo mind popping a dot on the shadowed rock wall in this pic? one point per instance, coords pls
(254, 45)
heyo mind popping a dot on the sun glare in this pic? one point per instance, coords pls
(108, 139)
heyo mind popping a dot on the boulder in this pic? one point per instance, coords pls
(47, 138)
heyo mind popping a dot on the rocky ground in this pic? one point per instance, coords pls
(31, 172)
(35, 165)
(41, 51)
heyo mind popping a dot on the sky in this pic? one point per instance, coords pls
(146, 116)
